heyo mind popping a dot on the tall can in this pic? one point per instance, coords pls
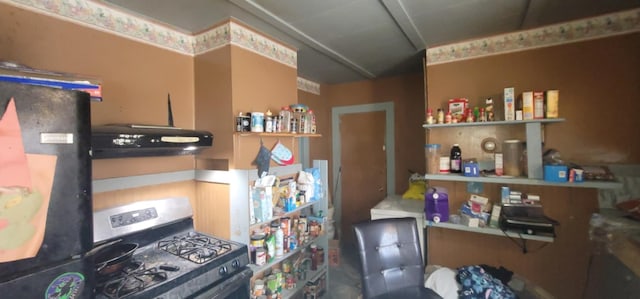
(456, 159)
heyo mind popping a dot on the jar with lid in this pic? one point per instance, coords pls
(268, 122)
(432, 152)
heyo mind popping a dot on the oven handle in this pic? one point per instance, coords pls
(228, 286)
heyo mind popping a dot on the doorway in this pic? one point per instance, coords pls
(363, 162)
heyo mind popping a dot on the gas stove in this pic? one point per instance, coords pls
(172, 260)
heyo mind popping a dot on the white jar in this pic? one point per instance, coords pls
(257, 122)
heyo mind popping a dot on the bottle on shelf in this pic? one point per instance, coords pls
(279, 242)
(440, 116)
(447, 118)
(455, 159)
(430, 119)
(314, 257)
(312, 121)
(285, 119)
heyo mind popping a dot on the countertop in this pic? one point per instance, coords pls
(397, 203)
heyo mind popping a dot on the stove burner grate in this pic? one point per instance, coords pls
(134, 278)
(195, 247)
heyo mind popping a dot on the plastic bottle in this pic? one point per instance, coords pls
(314, 257)
(279, 242)
(312, 121)
(285, 115)
(456, 159)
(432, 152)
(440, 116)
(447, 118)
(430, 119)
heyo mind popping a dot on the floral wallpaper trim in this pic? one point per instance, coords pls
(104, 18)
(308, 86)
(253, 41)
(580, 30)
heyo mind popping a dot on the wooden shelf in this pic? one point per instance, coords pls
(292, 135)
(489, 231)
(523, 181)
(494, 123)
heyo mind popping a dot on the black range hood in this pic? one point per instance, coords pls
(131, 140)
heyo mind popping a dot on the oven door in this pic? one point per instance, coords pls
(237, 286)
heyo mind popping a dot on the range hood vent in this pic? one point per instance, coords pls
(131, 140)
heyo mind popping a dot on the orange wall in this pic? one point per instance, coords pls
(136, 77)
(213, 101)
(599, 92)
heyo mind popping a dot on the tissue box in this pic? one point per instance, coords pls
(556, 173)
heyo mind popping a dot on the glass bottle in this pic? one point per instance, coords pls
(455, 159)
(440, 116)
(314, 257)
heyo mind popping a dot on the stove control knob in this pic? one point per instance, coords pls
(235, 264)
(223, 271)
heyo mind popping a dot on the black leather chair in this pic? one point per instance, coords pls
(391, 259)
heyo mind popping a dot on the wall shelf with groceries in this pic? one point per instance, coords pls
(285, 227)
(296, 120)
(523, 162)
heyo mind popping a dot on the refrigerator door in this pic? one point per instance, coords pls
(45, 177)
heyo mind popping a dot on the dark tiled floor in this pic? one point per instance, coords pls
(344, 279)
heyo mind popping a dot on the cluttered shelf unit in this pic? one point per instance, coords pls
(298, 270)
(534, 161)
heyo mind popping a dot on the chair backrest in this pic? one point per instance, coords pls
(390, 255)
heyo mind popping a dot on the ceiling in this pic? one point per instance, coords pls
(349, 40)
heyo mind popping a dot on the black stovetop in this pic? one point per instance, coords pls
(156, 269)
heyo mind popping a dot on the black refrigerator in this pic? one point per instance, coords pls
(45, 193)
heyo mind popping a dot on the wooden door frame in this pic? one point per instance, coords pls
(336, 146)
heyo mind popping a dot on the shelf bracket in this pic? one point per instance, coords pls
(534, 150)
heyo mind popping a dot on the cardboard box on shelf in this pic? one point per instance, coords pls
(509, 104)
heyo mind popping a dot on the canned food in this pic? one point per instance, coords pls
(272, 284)
(257, 240)
(258, 288)
(290, 282)
(284, 224)
(286, 266)
(261, 256)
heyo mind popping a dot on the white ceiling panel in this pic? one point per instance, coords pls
(349, 40)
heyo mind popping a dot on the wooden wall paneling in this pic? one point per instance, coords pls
(136, 77)
(246, 149)
(214, 102)
(110, 199)
(213, 209)
(586, 96)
